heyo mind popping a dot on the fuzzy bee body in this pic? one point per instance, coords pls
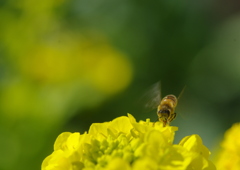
(166, 109)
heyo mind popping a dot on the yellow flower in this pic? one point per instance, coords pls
(229, 157)
(126, 144)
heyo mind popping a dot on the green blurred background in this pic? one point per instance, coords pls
(67, 64)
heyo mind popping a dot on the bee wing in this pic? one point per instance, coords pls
(181, 92)
(152, 97)
(184, 116)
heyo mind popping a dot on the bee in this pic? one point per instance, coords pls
(166, 109)
(165, 106)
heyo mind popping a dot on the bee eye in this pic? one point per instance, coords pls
(164, 111)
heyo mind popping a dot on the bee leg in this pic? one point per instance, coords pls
(172, 117)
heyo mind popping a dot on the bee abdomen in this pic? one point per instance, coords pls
(172, 98)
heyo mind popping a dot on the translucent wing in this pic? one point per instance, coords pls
(183, 116)
(152, 97)
(181, 92)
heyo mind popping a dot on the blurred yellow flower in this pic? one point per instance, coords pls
(101, 66)
(126, 144)
(229, 157)
(106, 68)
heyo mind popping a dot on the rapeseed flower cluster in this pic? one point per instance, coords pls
(229, 156)
(125, 144)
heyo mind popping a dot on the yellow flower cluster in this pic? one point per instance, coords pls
(229, 157)
(124, 144)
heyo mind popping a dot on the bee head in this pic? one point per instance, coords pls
(163, 114)
(164, 111)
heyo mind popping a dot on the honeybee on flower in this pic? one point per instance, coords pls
(165, 106)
